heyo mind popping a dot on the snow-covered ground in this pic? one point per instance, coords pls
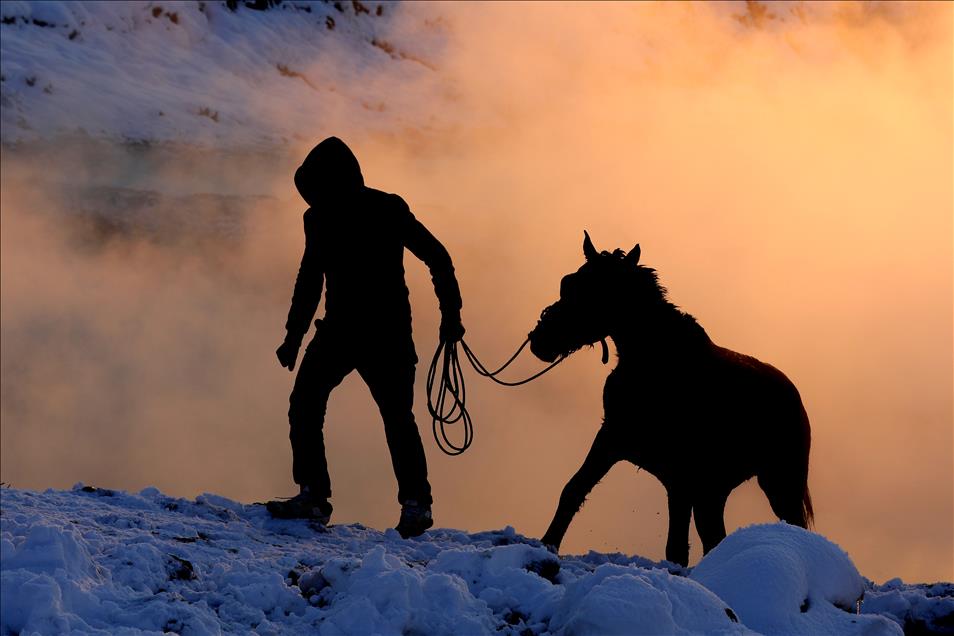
(106, 562)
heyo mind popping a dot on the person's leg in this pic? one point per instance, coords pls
(323, 367)
(390, 379)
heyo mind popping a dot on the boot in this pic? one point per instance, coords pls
(415, 519)
(304, 505)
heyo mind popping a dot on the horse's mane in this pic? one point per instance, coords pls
(648, 279)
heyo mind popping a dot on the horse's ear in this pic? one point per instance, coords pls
(588, 250)
(632, 258)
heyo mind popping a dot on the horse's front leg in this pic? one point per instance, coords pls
(680, 511)
(603, 454)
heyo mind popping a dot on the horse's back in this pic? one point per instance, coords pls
(745, 378)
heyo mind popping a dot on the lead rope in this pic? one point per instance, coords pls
(447, 404)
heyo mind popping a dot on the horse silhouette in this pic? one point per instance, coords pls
(699, 417)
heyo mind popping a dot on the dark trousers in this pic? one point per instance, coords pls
(387, 367)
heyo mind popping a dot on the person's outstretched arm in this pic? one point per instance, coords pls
(305, 298)
(426, 247)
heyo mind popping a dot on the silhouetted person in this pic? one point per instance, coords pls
(355, 238)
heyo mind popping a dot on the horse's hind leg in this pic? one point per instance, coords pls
(709, 510)
(603, 454)
(680, 512)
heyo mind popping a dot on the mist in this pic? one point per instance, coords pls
(790, 178)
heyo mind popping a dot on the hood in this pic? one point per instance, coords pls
(330, 170)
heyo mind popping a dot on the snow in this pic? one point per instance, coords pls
(784, 580)
(97, 561)
(195, 72)
(920, 608)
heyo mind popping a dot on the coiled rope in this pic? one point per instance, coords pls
(447, 396)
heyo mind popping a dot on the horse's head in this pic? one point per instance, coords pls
(584, 313)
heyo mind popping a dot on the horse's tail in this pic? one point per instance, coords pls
(808, 512)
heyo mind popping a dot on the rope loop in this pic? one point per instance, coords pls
(447, 404)
(446, 395)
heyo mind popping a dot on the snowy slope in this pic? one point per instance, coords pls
(99, 561)
(196, 72)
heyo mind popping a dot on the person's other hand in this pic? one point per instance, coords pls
(452, 329)
(288, 353)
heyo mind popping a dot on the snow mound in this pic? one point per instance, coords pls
(781, 579)
(97, 561)
(619, 600)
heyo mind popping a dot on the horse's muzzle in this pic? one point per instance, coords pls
(538, 349)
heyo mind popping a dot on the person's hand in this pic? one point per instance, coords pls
(288, 352)
(452, 329)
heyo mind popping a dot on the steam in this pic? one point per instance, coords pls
(789, 177)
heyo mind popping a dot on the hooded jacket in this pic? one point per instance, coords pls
(355, 239)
